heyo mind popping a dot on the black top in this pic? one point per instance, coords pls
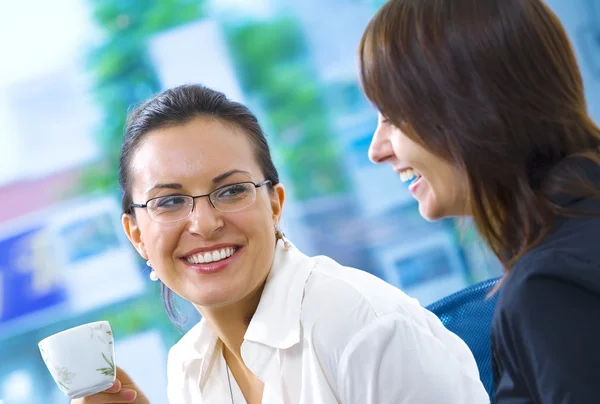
(546, 328)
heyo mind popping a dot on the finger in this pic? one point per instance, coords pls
(123, 396)
(115, 388)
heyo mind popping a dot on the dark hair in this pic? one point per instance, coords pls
(493, 87)
(177, 106)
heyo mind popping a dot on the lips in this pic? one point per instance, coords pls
(211, 256)
(213, 259)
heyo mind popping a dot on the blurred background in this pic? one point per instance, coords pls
(70, 70)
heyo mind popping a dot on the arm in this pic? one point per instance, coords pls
(555, 331)
(392, 361)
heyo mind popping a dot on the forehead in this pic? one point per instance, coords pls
(196, 151)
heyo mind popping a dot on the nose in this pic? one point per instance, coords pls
(204, 220)
(381, 147)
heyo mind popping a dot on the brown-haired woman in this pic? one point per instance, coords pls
(482, 107)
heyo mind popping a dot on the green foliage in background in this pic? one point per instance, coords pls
(273, 68)
(272, 65)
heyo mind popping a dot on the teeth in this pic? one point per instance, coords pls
(408, 174)
(211, 256)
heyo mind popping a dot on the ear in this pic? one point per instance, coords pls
(134, 234)
(277, 200)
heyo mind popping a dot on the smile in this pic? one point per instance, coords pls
(211, 256)
(409, 175)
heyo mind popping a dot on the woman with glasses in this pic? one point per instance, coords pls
(202, 203)
(483, 113)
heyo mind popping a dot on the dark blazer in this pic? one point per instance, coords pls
(546, 328)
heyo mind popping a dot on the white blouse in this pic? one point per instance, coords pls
(324, 333)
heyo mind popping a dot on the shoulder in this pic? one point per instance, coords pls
(567, 251)
(548, 281)
(343, 307)
(369, 336)
(332, 290)
(546, 269)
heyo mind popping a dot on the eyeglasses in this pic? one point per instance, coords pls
(229, 198)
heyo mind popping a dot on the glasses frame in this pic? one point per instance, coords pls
(145, 205)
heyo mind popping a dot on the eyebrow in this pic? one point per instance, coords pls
(165, 186)
(215, 180)
(227, 174)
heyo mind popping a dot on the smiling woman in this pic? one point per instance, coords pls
(203, 155)
(202, 203)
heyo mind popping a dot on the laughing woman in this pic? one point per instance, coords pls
(482, 102)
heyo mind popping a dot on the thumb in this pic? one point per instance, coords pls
(123, 377)
(127, 383)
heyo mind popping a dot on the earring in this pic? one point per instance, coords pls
(153, 276)
(280, 236)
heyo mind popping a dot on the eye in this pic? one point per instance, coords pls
(387, 121)
(233, 191)
(170, 202)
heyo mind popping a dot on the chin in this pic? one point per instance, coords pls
(210, 298)
(430, 212)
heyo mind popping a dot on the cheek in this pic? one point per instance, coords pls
(451, 191)
(398, 145)
(257, 218)
(255, 224)
(161, 241)
(409, 152)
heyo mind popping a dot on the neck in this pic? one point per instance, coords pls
(230, 322)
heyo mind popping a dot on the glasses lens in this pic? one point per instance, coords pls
(170, 208)
(234, 197)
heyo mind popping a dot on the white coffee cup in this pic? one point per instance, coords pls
(81, 359)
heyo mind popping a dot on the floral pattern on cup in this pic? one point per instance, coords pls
(110, 370)
(104, 335)
(62, 374)
(99, 332)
